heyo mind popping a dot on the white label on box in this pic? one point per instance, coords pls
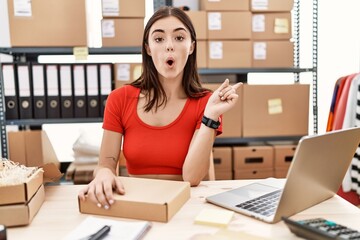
(24, 81)
(259, 4)
(216, 50)
(108, 28)
(214, 21)
(110, 8)
(22, 8)
(281, 25)
(123, 72)
(275, 106)
(259, 50)
(258, 23)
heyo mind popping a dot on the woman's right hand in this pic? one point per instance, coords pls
(100, 189)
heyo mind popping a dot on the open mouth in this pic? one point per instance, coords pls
(170, 62)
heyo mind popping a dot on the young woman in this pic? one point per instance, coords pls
(165, 121)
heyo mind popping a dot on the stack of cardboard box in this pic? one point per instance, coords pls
(123, 23)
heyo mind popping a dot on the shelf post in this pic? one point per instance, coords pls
(4, 150)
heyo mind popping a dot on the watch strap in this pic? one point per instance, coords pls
(210, 123)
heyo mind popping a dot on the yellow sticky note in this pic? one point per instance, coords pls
(281, 25)
(214, 217)
(80, 53)
(275, 106)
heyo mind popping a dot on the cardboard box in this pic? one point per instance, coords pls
(31, 148)
(222, 158)
(145, 199)
(229, 54)
(225, 5)
(271, 5)
(80, 173)
(253, 157)
(223, 175)
(232, 119)
(201, 54)
(254, 173)
(199, 20)
(22, 214)
(266, 54)
(124, 32)
(126, 73)
(21, 193)
(50, 23)
(275, 110)
(123, 8)
(229, 25)
(283, 155)
(281, 172)
(271, 26)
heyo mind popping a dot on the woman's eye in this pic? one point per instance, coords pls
(159, 39)
(179, 38)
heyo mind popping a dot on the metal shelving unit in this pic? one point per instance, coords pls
(30, 53)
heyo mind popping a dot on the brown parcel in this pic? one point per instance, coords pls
(145, 199)
(21, 193)
(22, 214)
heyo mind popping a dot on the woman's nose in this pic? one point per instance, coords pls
(169, 46)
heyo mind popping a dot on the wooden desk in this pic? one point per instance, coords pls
(59, 215)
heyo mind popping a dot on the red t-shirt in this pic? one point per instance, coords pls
(149, 149)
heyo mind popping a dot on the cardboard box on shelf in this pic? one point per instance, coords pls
(50, 23)
(223, 175)
(225, 5)
(229, 25)
(31, 148)
(122, 32)
(229, 54)
(275, 110)
(232, 119)
(254, 173)
(145, 199)
(222, 158)
(253, 157)
(283, 155)
(123, 8)
(199, 20)
(201, 54)
(21, 193)
(126, 73)
(266, 54)
(271, 26)
(271, 5)
(22, 214)
(280, 172)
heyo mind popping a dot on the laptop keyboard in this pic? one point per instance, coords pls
(264, 205)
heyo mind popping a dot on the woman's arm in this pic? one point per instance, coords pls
(196, 164)
(100, 189)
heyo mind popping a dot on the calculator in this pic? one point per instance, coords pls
(320, 229)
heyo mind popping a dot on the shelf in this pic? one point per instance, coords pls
(39, 122)
(245, 140)
(212, 71)
(68, 50)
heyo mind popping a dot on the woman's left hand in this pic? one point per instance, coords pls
(222, 100)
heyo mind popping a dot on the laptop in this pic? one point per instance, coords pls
(318, 167)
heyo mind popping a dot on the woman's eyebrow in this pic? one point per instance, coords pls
(163, 31)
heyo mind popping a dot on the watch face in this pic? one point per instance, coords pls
(210, 123)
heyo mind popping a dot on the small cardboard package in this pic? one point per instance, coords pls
(19, 203)
(145, 199)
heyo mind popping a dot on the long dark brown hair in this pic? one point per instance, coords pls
(149, 82)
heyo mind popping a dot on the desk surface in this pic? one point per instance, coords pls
(59, 215)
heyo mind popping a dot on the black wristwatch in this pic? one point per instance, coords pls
(210, 123)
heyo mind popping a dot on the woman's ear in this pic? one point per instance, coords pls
(192, 47)
(147, 49)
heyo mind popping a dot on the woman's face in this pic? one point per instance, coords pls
(169, 46)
